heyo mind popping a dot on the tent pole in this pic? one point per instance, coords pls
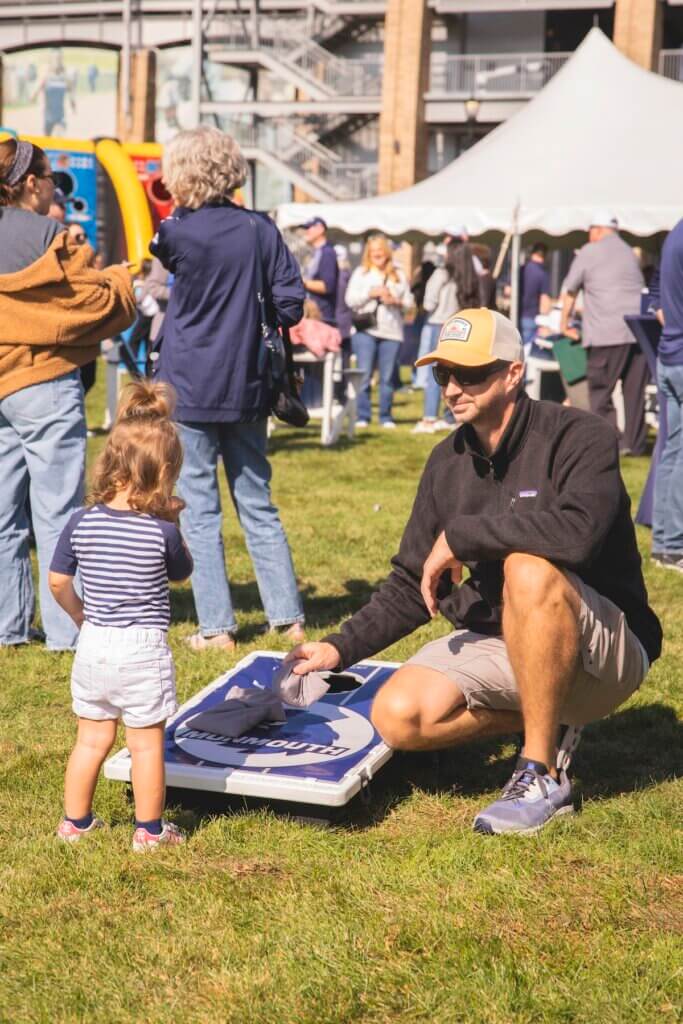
(515, 254)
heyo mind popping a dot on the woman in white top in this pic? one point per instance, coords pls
(379, 292)
(450, 288)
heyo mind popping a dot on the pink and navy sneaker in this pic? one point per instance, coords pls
(170, 835)
(70, 833)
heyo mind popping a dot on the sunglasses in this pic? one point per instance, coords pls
(52, 178)
(465, 376)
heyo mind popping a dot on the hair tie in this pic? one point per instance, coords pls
(21, 163)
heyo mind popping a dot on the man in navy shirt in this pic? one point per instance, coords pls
(321, 273)
(667, 532)
(535, 292)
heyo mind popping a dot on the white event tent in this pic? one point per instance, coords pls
(603, 133)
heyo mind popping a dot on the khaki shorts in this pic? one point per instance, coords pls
(612, 663)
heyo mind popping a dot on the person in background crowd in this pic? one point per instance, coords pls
(433, 256)
(157, 285)
(58, 206)
(534, 295)
(379, 295)
(343, 315)
(608, 272)
(54, 310)
(487, 282)
(210, 352)
(321, 273)
(76, 232)
(56, 86)
(667, 527)
(413, 328)
(88, 370)
(450, 288)
(552, 624)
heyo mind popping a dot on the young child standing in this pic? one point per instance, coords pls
(126, 546)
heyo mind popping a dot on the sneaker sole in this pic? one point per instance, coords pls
(483, 828)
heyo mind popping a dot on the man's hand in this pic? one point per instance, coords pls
(439, 559)
(313, 657)
(571, 332)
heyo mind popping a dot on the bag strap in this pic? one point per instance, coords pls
(260, 282)
(261, 294)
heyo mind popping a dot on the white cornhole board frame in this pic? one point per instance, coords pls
(322, 755)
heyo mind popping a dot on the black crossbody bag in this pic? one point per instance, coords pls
(275, 357)
(367, 321)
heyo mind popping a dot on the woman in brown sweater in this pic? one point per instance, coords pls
(54, 310)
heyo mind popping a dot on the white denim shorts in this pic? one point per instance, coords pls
(123, 673)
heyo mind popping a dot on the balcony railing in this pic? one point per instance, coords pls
(497, 75)
(671, 64)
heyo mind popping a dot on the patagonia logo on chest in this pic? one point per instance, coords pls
(528, 494)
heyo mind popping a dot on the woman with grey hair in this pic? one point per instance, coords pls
(210, 350)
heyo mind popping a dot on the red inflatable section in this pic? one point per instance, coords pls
(146, 157)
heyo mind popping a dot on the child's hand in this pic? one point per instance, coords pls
(62, 588)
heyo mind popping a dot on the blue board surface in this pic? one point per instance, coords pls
(322, 742)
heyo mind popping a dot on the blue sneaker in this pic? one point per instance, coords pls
(528, 802)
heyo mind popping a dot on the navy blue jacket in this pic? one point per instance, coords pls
(211, 337)
(670, 351)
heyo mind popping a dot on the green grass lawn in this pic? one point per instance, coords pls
(403, 913)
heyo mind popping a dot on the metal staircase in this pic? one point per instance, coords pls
(298, 149)
(299, 60)
(318, 171)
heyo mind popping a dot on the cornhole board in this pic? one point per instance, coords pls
(322, 755)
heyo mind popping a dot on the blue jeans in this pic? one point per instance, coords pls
(42, 457)
(427, 343)
(667, 528)
(242, 446)
(432, 398)
(528, 329)
(369, 350)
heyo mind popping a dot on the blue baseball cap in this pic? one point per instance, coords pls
(313, 221)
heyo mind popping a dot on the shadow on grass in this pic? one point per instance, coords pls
(290, 441)
(321, 611)
(632, 750)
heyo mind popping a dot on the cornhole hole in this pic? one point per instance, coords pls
(322, 756)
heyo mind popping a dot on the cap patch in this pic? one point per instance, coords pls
(457, 330)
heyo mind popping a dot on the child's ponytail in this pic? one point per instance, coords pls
(144, 398)
(143, 454)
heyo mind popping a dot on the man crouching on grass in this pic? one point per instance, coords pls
(553, 625)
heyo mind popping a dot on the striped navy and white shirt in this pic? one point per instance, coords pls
(125, 560)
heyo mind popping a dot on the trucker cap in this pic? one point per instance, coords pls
(476, 337)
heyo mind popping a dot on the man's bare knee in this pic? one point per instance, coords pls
(532, 582)
(395, 712)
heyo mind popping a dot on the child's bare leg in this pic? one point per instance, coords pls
(93, 743)
(146, 748)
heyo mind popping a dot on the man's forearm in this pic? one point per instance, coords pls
(394, 611)
(317, 287)
(568, 300)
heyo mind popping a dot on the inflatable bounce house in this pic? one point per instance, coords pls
(113, 190)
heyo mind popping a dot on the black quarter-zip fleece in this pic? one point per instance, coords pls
(551, 488)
